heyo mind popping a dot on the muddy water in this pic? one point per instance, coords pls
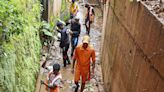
(96, 84)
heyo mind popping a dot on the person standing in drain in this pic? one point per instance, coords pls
(54, 79)
(73, 9)
(64, 42)
(83, 55)
(76, 29)
(89, 19)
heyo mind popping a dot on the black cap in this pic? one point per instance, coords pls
(59, 24)
(73, 1)
(86, 5)
(56, 67)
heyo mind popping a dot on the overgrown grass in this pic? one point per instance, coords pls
(19, 45)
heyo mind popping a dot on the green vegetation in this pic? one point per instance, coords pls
(19, 45)
(47, 32)
(65, 15)
(64, 5)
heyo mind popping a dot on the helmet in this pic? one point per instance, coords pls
(86, 39)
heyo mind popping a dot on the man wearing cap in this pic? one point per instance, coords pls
(76, 29)
(64, 42)
(83, 54)
(54, 79)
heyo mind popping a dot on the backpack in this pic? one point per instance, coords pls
(75, 28)
(64, 38)
(91, 14)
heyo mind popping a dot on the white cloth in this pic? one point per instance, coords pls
(90, 11)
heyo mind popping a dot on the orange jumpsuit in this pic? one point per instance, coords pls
(83, 59)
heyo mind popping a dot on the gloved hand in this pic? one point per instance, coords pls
(41, 81)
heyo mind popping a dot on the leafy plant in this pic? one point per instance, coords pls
(46, 33)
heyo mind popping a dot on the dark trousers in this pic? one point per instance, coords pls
(74, 42)
(87, 25)
(65, 55)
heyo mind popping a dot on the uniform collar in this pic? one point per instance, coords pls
(81, 47)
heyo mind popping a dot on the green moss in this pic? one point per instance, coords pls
(65, 14)
(20, 45)
(64, 5)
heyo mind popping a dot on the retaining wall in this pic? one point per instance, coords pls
(133, 50)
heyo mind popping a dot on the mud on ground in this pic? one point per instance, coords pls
(96, 84)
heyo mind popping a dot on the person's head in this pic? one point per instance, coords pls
(77, 19)
(85, 41)
(56, 68)
(73, 1)
(86, 5)
(60, 25)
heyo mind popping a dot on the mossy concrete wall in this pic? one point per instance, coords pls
(54, 8)
(19, 56)
(57, 5)
(58, 9)
(133, 49)
(51, 9)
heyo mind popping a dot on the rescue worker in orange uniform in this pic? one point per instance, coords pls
(83, 56)
(54, 79)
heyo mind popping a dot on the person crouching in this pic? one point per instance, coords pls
(54, 79)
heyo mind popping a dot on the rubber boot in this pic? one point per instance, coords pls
(77, 87)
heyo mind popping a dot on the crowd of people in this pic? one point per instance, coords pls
(83, 55)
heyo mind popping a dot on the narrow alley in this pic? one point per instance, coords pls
(96, 84)
(124, 51)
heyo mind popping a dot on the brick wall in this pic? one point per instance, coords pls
(133, 50)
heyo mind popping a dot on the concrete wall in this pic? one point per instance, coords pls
(93, 1)
(57, 7)
(51, 8)
(133, 50)
(54, 9)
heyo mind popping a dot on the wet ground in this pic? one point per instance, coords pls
(96, 84)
